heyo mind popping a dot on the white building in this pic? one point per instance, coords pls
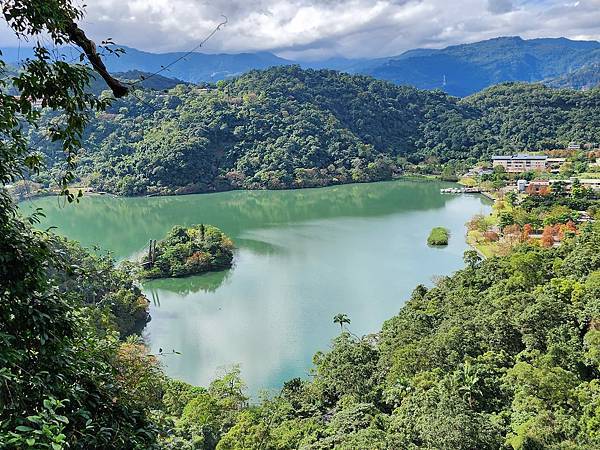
(520, 163)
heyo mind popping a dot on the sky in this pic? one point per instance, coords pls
(318, 29)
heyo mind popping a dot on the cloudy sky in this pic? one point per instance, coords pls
(311, 29)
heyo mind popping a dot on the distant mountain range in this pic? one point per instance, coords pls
(459, 70)
(464, 69)
(586, 77)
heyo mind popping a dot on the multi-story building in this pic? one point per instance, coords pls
(520, 163)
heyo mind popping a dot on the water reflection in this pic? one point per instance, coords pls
(258, 246)
(207, 283)
(125, 225)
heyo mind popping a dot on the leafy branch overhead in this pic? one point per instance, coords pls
(53, 84)
(31, 18)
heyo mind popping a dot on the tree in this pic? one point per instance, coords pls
(547, 239)
(341, 319)
(471, 258)
(491, 236)
(59, 374)
(52, 82)
(505, 219)
(526, 232)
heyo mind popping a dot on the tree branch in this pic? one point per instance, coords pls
(78, 37)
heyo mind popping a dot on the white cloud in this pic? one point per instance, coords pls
(354, 28)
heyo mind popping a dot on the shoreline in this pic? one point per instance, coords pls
(92, 193)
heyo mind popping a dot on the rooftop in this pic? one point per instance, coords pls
(521, 156)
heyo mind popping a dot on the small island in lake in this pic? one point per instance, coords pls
(187, 251)
(438, 236)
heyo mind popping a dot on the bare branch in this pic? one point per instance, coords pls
(78, 37)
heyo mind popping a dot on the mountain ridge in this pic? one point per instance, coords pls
(459, 70)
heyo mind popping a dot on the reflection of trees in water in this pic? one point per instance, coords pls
(257, 209)
(208, 282)
(260, 247)
(124, 225)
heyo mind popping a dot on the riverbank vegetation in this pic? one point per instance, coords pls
(188, 251)
(502, 354)
(438, 236)
(498, 355)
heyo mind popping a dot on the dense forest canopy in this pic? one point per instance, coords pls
(289, 127)
(65, 373)
(502, 354)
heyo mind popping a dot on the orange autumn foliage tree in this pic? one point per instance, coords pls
(139, 372)
(567, 228)
(512, 233)
(526, 232)
(548, 235)
(491, 236)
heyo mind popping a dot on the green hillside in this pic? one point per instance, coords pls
(289, 128)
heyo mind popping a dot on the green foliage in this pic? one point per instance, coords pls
(290, 128)
(62, 383)
(54, 83)
(347, 370)
(59, 374)
(471, 258)
(188, 251)
(177, 394)
(201, 417)
(438, 236)
(503, 354)
(110, 294)
(341, 319)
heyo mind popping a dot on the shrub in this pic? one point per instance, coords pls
(438, 236)
(188, 251)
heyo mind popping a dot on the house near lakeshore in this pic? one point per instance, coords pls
(477, 172)
(520, 163)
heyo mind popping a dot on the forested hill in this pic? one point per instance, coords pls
(288, 127)
(585, 77)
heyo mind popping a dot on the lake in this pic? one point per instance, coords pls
(301, 257)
